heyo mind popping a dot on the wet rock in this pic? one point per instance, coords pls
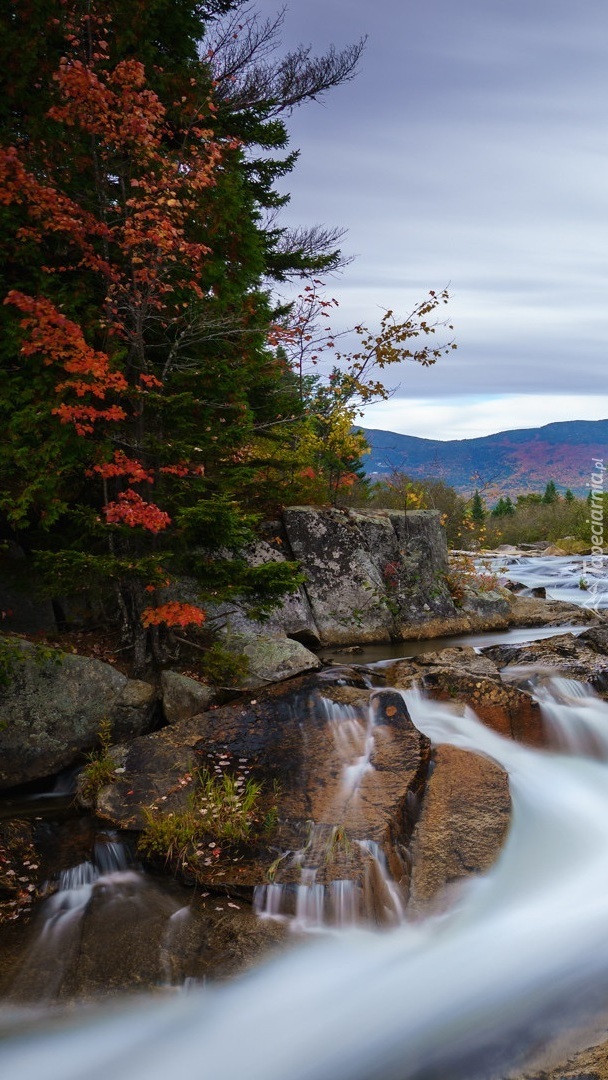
(596, 638)
(590, 1064)
(126, 932)
(183, 697)
(509, 711)
(566, 654)
(463, 824)
(52, 708)
(463, 676)
(298, 740)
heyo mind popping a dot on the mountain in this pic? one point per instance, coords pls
(512, 462)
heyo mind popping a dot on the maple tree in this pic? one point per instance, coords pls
(156, 399)
(119, 333)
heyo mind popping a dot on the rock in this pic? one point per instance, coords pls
(52, 708)
(565, 654)
(589, 1064)
(596, 638)
(554, 550)
(530, 611)
(509, 711)
(464, 659)
(486, 610)
(372, 575)
(272, 659)
(292, 617)
(129, 934)
(463, 824)
(135, 710)
(461, 675)
(183, 697)
(290, 738)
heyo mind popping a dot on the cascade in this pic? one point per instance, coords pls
(463, 995)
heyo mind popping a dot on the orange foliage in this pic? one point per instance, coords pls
(173, 614)
(123, 466)
(130, 509)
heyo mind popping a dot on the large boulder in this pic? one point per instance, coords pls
(463, 823)
(53, 705)
(372, 575)
(337, 755)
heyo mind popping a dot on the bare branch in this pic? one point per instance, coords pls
(240, 54)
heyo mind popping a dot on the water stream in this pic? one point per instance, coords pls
(577, 579)
(523, 953)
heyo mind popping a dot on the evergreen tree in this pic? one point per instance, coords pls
(134, 350)
(478, 513)
(500, 508)
(550, 495)
(569, 496)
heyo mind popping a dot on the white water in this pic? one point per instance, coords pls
(526, 948)
(561, 576)
(368, 895)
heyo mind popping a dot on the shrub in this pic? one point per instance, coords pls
(100, 769)
(226, 809)
(224, 668)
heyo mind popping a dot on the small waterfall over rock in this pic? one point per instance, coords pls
(559, 699)
(337, 878)
(521, 953)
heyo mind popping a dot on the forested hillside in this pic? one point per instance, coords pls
(510, 462)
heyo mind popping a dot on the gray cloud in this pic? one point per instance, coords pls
(472, 149)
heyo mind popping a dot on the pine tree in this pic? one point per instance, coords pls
(478, 513)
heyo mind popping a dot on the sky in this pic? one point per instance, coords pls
(470, 151)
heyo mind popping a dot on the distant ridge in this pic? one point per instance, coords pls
(513, 462)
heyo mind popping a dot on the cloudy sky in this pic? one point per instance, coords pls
(470, 151)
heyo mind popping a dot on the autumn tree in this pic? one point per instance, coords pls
(135, 347)
(338, 372)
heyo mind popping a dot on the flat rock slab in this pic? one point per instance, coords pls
(463, 824)
(531, 611)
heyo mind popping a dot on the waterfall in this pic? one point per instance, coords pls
(461, 995)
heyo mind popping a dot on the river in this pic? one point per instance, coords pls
(520, 956)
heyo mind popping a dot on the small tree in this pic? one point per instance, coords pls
(478, 513)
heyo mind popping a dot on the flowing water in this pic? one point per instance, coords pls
(457, 997)
(577, 579)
